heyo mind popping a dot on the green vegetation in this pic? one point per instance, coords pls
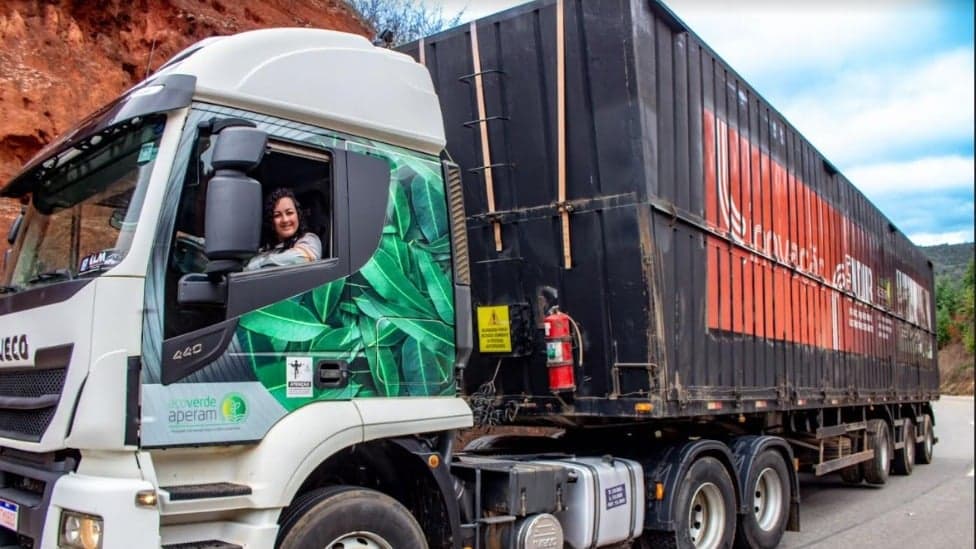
(950, 260)
(954, 308)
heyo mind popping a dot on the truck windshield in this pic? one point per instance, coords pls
(85, 206)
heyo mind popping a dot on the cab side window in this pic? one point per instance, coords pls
(308, 173)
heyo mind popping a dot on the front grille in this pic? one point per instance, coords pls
(32, 383)
(25, 424)
(29, 397)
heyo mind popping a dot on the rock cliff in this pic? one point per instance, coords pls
(60, 60)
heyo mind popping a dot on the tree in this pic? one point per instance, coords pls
(407, 20)
(966, 306)
(946, 305)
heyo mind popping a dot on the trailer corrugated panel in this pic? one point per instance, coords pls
(719, 264)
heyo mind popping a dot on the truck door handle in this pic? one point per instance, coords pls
(332, 373)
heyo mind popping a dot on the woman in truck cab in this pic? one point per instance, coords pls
(287, 240)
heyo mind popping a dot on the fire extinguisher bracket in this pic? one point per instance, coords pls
(559, 352)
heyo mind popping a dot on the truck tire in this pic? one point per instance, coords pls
(905, 456)
(924, 450)
(705, 506)
(876, 470)
(769, 488)
(853, 474)
(348, 516)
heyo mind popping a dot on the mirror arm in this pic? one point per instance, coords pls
(201, 289)
(218, 268)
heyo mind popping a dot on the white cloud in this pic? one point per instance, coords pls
(761, 37)
(473, 9)
(889, 111)
(861, 80)
(952, 237)
(937, 173)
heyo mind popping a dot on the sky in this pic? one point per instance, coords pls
(884, 89)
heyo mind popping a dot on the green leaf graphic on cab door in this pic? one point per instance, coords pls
(391, 323)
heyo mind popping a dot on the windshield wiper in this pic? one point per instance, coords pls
(57, 274)
(9, 289)
(96, 271)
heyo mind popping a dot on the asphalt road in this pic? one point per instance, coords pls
(932, 508)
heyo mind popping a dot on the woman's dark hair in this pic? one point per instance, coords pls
(270, 237)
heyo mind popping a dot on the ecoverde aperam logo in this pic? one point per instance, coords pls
(234, 408)
(206, 413)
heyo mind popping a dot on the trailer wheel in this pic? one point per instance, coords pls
(344, 517)
(905, 456)
(876, 471)
(924, 450)
(705, 506)
(769, 490)
(853, 474)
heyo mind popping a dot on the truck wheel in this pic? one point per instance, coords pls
(345, 517)
(769, 488)
(705, 506)
(905, 456)
(853, 474)
(924, 450)
(876, 470)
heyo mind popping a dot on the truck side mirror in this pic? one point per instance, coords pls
(233, 218)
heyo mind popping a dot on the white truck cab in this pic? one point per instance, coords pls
(151, 395)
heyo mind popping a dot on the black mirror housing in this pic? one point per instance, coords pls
(239, 148)
(233, 224)
(233, 218)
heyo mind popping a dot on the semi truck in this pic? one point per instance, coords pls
(570, 222)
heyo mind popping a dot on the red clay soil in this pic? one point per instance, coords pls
(956, 370)
(61, 60)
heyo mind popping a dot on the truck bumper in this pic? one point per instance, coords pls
(36, 515)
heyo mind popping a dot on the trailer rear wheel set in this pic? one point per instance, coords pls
(916, 446)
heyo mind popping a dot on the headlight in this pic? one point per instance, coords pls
(80, 531)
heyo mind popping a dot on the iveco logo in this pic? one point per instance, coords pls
(14, 348)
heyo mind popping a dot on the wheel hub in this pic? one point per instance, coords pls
(359, 540)
(706, 517)
(768, 499)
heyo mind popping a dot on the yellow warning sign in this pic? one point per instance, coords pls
(494, 332)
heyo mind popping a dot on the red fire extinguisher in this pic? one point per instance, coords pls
(559, 351)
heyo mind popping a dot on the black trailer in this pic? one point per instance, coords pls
(655, 251)
(661, 264)
(713, 261)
